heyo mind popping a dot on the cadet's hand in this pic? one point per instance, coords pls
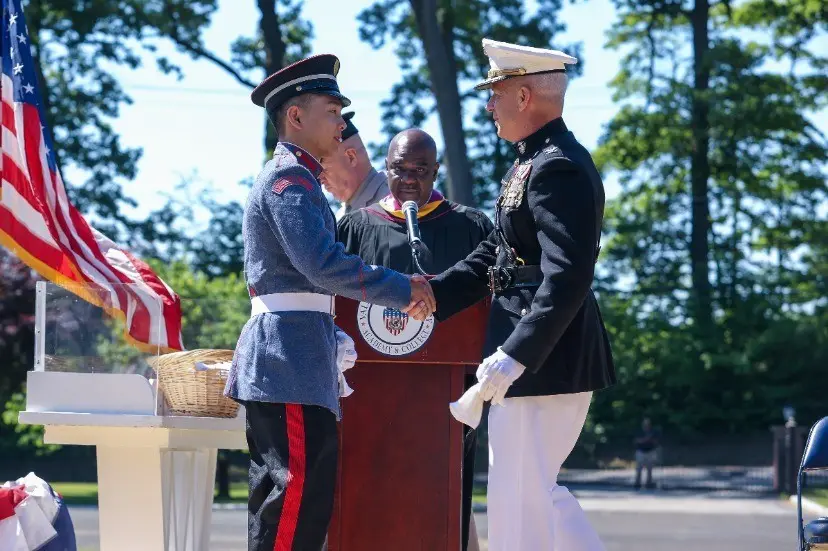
(496, 374)
(422, 302)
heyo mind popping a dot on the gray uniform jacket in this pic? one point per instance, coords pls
(290, 246)
(372, 190)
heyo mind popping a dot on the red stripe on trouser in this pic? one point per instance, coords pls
(295, 479)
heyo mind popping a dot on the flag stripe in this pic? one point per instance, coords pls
(8, 118)
(20, 207)
(40, 249)
(41, 226)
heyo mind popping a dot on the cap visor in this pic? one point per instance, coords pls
(488, 82)
(345, 101)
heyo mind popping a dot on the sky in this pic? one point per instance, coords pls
(204, 127)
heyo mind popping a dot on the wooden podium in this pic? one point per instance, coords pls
(400, 467)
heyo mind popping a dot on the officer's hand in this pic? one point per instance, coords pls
(496, 374)
(422, 302)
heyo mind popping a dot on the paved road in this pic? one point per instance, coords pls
(626, 521)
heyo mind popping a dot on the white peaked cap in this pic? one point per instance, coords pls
(512, 60)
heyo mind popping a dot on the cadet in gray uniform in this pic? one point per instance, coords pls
(285, 369)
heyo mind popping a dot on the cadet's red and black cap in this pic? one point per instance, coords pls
(313, 75)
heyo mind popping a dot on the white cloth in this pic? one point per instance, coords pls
(529, 439)
(31, 525)
(469, 408)
(346, 357)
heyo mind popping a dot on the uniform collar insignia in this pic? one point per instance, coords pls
(305, 159)
(533, 143)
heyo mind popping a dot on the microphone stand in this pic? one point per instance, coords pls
(415, 256)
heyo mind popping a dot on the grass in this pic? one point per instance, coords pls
(479, 494)
(86, 493)
(820, 496)
(77, 493)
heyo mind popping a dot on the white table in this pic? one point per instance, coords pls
(155, 473)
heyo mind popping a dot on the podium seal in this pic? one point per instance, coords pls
(390, 331)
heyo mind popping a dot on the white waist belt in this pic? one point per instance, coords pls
(292, 302)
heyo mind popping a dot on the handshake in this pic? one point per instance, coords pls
(422, 303)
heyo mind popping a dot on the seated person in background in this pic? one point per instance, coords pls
(348, 174)
(377, 233)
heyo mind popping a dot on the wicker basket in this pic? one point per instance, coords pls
(192, 392)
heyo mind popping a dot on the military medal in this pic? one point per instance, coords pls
(512, 194)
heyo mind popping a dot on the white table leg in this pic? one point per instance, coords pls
(189, 477)
(130, 500)
(153, 499)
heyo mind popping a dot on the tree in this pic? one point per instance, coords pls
(283, 38)
(438, 43)
(73, 50)
(17, 302)
(717, 241)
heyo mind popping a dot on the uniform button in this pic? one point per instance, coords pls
(524, 312)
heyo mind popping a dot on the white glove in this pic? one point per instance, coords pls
(346, 357)
(496, 374)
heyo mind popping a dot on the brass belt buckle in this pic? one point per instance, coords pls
(494, 285)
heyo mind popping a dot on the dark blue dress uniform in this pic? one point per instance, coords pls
(284, 367)
(539, 263)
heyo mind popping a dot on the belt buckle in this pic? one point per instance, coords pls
(494, 284)
(499, 278)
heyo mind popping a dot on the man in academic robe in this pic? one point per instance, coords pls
(450, 232)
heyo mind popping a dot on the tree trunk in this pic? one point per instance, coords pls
(438, 44)
(275, 57)
(700, 171)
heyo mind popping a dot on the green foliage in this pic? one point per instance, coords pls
(75, 48)
(214, 309)
(28, 437)
(768, 223)
(468, 22)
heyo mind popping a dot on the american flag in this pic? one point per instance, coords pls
(41, 227)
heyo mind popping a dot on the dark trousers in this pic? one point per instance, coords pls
(293, 462)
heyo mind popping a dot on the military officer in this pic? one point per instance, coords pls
(547, 343)
(348, 174)
(285, 365)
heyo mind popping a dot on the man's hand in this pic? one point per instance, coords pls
(496, 374)
(423, 303)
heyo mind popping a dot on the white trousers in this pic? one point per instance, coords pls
(529, 439)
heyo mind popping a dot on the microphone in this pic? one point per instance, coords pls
(410, 209)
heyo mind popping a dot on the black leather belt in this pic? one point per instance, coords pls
(508, 277)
